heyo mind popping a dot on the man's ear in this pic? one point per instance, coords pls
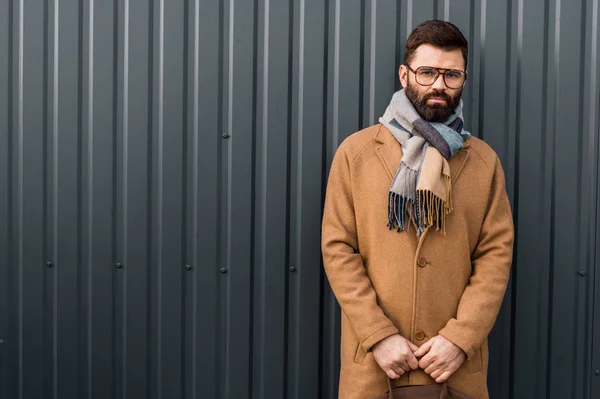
(403, 75)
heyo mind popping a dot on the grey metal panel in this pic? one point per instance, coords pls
(238, 185)
(133, 198)
(591, 114)
(189, 142)
(207, 66)
(7, 307)
(307, 149)
(28, 200)
(97, 193)
(271, 209)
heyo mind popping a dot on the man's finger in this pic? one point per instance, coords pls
(426, 361)
(413, 363)
(412, 346)
(431, 368)
(404, 366)
(392, 374)
(444, 377)
(426, 347)
(436, 374)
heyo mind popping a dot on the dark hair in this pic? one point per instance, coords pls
(441, 34)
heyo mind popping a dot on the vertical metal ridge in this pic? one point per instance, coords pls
(517, 124)
(10, 233)
(195, 192)
(482, 38)
(55, 198)
(288, 194)
(262, 239)
(19, 201)
(471, 57)
(546, 201)
(409, 17)
(220, 350)
(507, 77)
(372, 59)
(125, 197)
(299, 192)
(90, 194)
(159, 189)
(149, 199)
(361, 65)
(45, 223)
(446, 10)
(582, 231)
(554, 118)
(184, 198)
(593, 133)
(336, 79)
(253, 185)
(115, 183)
(398, 45)
(324, 168)
(228, 199)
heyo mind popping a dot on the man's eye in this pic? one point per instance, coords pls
(427, 72)
(453, 75)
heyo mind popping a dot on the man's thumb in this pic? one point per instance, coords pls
(423, 349)
(412, 346)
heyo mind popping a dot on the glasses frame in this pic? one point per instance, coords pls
(440, 71)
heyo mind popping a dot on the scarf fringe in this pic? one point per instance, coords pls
(429, 210)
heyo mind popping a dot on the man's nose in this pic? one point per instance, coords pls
(439, 83)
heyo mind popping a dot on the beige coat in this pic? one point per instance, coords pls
(390, 282)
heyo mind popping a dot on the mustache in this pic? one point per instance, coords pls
(438, 94)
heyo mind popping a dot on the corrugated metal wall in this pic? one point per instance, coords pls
(162, 170)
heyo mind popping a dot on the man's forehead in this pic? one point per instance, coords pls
(429, 55)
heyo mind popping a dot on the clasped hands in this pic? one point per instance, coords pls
(438, 357)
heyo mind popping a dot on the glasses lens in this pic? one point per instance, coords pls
(454, 79)
(426, 76)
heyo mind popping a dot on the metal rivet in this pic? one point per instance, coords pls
(225, 136)
(48, 264)
(223, 270)
(597, 372)
(582, 273)
(119, 265)
(188, 267)
(292, 269)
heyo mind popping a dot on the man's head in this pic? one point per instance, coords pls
(441, 46)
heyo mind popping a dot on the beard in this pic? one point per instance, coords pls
(433, 112)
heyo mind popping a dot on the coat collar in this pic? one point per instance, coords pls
(390, 154)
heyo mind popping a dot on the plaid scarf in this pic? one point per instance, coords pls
(421, 191)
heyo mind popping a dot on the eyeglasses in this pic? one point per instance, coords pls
(426, 76)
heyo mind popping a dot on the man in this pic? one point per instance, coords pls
(417, 233)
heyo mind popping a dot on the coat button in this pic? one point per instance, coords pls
(422, 262)
(419, 335)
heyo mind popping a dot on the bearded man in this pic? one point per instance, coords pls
(417, 233)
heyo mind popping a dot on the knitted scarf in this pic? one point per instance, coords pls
(421, 191)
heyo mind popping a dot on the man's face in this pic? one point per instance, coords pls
(434, 103)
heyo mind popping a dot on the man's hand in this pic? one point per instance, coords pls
(440, 358)
(394, 355)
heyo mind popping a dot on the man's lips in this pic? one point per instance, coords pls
(437, 100)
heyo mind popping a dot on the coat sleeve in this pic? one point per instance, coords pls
(342, 262)
(491, 260)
